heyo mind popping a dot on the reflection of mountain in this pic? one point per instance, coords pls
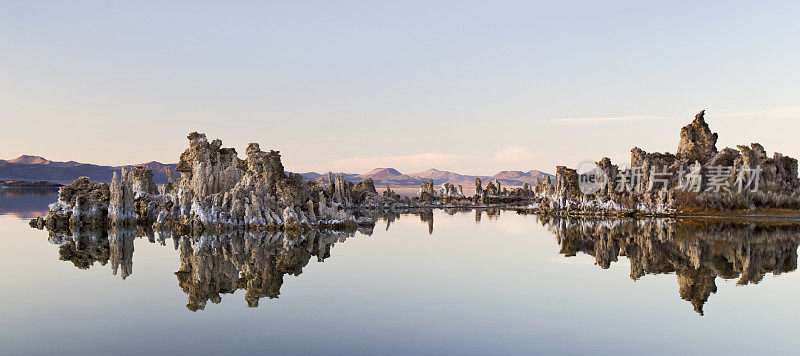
(697, 252)
(26, 203)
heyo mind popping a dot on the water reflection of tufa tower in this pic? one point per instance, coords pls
(696, 252)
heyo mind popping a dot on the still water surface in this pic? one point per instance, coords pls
(503, 283)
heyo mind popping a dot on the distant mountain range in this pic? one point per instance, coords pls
(35, 168)
(382, 176)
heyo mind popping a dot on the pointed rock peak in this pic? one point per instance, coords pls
(697, 143)
(700, 116)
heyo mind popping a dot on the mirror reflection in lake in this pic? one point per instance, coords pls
(26, 203)
(427, 282)
(695, 251)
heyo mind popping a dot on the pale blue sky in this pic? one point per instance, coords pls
(468, 86)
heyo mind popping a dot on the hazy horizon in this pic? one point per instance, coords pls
(468, 87)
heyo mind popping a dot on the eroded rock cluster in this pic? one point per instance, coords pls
(698, 178)
(216, 191)
(496, 194)
(447, 193)
(451, 195)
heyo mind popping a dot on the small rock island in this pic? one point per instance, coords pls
(25, 184)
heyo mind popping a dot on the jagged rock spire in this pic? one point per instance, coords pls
(698, 143)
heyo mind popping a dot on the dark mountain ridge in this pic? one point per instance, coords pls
(36, 168)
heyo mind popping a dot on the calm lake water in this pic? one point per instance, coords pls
(484, 282)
